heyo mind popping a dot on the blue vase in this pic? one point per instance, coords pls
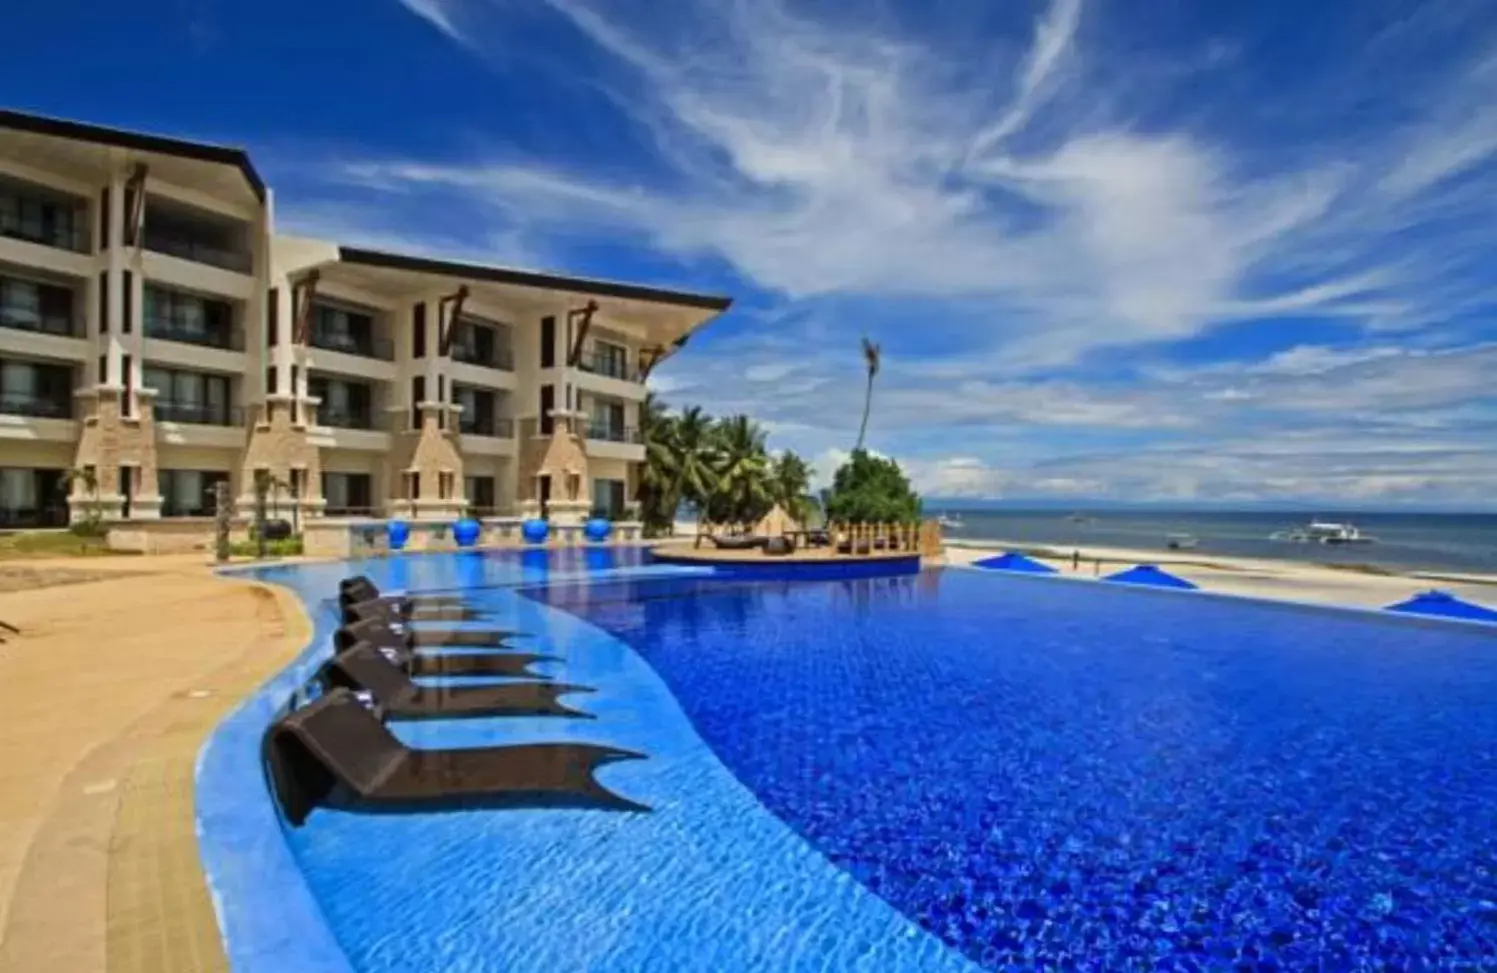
(597, 530)
(535, 531)
(399, 532)
(465, 532)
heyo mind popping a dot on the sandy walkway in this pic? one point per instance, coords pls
(107, 695)
(1256, 577)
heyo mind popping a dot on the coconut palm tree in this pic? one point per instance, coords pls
(790, 483)
(658, 431)
(872, 356)
(742, 490)
(696, 453)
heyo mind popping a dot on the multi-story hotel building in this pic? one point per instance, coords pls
(156, 332)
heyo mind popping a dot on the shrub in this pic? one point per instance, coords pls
(290, 547)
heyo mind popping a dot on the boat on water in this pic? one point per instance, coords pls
(1181, 542)
(948, 522)
(1324, 532)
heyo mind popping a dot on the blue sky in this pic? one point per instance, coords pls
(1219, 252)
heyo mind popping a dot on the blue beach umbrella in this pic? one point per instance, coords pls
(1148, 574)
(1443, 604)
(1014, 562)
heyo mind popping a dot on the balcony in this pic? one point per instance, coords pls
(487, 426)
(500, 357)
(23, 319)
(198, 414)
(35, 406)
(344, 418)
(608, 366)
(348, 343)
(36, 218)
(608, 433)
(175, 245)
(224, 338)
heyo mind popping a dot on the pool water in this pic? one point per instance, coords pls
(1053, 774)
(945, 772)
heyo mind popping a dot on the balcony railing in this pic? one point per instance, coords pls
(74, 238)
(612, 434)
(348, 344)
(196, 250)
(35, 406)
(496, 428)
(500, 357)
(344, 418)
(198, 413)
(31, 517)
(63, 327)
(608, 366)
(227, 339)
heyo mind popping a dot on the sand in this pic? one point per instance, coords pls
(122, 668)
(1256, 577)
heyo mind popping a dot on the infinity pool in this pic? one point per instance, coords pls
(947, 771)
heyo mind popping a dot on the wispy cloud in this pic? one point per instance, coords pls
(848, 166)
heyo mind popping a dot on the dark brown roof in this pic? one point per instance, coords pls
(525, 278)
(84, 132)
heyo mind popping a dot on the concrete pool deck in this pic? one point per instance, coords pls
(122, 668)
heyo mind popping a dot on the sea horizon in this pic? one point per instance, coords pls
(1402, 540)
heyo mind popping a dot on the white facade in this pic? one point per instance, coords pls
(156, 331)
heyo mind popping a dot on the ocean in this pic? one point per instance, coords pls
(1427, 542)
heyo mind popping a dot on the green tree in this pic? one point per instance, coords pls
(741, 490)
(657, 431)
(790, 485)
(869, 489)
(872, 358)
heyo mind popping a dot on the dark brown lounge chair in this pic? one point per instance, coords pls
(378, 632)
(334, 752)
(397, 697)
(354, 611)
(353, 590)
(451, 663)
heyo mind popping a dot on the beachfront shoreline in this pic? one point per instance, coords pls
(1274, 579)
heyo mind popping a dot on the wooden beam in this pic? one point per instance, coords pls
(648, 359)
(135, 196)
(449, 311)
(303, 293)
(585, 316)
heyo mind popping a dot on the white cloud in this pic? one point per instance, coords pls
(837, 157)
(435, 12)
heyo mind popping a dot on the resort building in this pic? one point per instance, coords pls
(157, 337)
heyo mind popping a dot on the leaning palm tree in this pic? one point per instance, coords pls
(872, 355)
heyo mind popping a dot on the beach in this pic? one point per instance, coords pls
(1281, 580)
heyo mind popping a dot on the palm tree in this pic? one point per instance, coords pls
(742, 491)
(658, 431)
(871, 357)
(790, 479)
(86, 479)
(695, 453)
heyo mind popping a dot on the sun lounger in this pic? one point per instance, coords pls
(455, 663)
(396, 696)
(335, 752)
(357, 589)
(779, 547)
(377, 632)
(393, 612)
